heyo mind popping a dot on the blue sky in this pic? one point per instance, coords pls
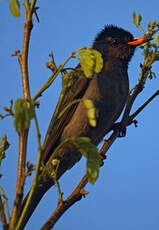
(126, 193)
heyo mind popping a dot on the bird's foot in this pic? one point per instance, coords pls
(118, 126)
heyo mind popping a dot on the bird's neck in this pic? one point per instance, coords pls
(110, 55)
(112, 63)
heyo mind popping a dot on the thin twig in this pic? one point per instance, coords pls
(52, 78)
(137, 90)
(76, 195)
(6, 203)
(144, 105)
(55, 74)
(140, 28)
(35, 180)
(23, 59)
(20, 177)
(23, 136)
(2, 215)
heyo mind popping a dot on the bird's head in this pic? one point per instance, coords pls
(116, 42)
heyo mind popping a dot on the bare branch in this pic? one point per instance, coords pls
(144, 105)
(23, 59)
(23, 136)
(20, 177)
(2, 215)
(63, 206)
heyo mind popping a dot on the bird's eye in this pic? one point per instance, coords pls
(115, 41)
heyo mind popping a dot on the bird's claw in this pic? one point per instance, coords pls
(118, 126)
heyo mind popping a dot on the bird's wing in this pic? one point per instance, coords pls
(53, 134)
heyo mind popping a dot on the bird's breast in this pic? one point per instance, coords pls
(108, 91)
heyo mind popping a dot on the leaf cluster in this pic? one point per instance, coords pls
(150, 49)
(91, 61)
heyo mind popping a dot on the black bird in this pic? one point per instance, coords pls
(108, 90)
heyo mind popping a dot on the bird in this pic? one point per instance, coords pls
(108, 90)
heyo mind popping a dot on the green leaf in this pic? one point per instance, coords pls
(24, 112)
(14, 7)
(91, 61)
(4, 145)
(156, 39)
(134, 18)
(91, 111)
(98, 60)
(139, 19)
(84, 145)
(145, 52)
(151, 26)
(87, 62)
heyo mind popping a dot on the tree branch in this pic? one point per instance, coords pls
(23, 215)
(63, 206)
(52, 78)
(137, 90)
(2, 215)
(144, 105)
(23, 136)
(23, 59)
(20, 177)
(6, 203)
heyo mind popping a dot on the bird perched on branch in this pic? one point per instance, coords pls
(109, 92)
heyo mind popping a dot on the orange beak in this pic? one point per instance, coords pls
(139, 41)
